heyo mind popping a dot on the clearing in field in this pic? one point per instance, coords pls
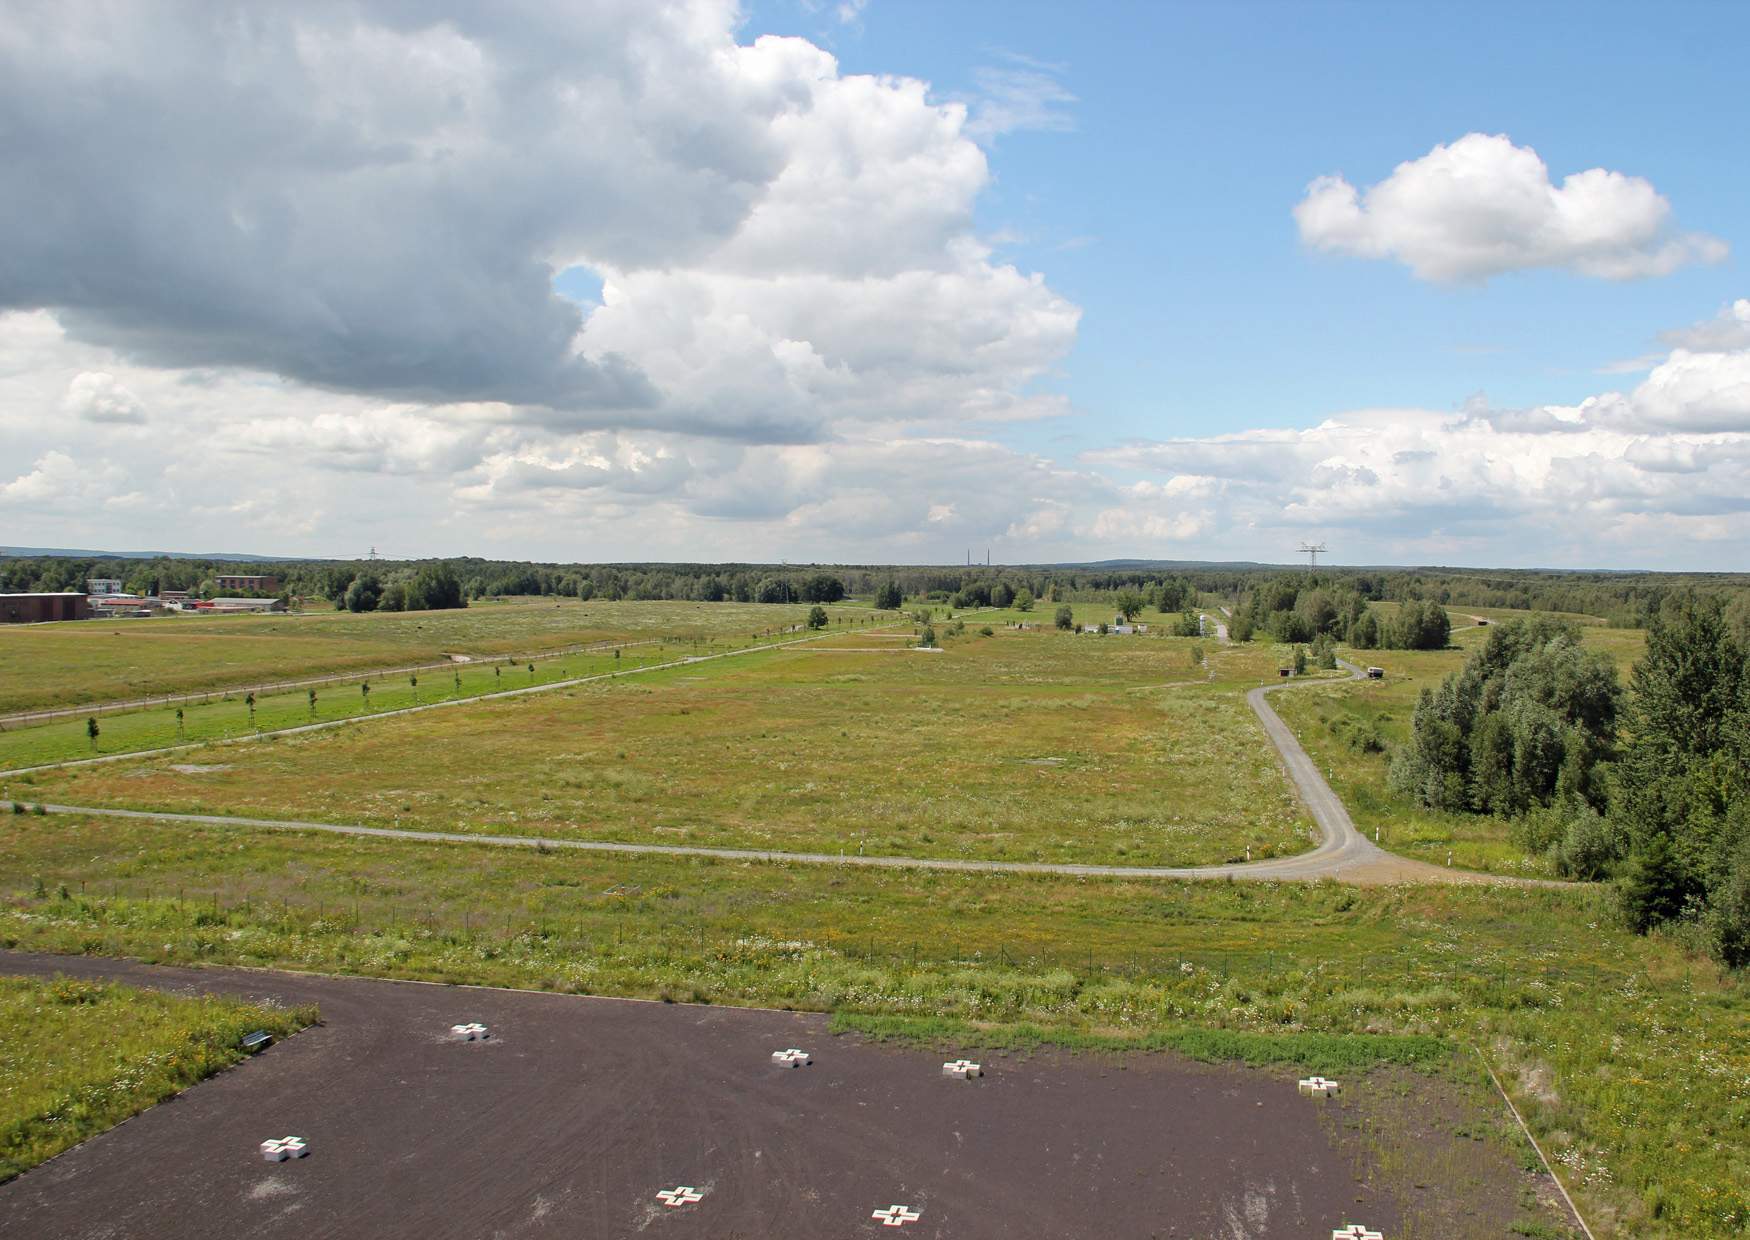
(1027, 745)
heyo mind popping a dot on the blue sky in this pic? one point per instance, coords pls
(879, 280)
(1162, 207)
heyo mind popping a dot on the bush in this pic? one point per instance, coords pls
(1066, 617)
(1539, 830)
(817, 617)
(985, 631)
(1590, 848)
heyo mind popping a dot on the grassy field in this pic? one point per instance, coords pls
(1022, 745)
(1628, 1056)
(1339, 723)
(55, 665)
(79, 1057)
(230, 715)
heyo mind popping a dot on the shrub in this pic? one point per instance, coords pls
(1066, 617)
(1590, 847)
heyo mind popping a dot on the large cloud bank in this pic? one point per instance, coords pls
(1657, 474)
(281, 278)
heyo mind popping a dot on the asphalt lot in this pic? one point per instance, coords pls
(578, 1111)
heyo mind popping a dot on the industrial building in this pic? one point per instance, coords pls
(248, 585)
(38, 608)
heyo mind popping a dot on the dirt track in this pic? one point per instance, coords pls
(578, 1111)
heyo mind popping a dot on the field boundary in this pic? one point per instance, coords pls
(495, 695)
(1542, 1157)
(28, 717)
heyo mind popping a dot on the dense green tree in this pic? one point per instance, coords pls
(1683, 784)
(1023, 599)
(1130, 604)
(435, 587)
(1531, 717)
(1066, 616)
(823, 588)
(817, 617)
(362, 593)
(889, 596)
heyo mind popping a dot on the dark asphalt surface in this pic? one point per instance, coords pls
(578, 1111)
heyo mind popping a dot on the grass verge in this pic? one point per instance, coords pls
(77, 1057)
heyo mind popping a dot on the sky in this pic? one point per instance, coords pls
(878, 281)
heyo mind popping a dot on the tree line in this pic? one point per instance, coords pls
(1647, 785)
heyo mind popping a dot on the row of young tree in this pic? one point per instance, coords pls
(1649, 786)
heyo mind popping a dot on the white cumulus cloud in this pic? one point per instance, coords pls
(1481, 206)
(97, 396)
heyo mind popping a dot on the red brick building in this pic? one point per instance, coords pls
(37, 608)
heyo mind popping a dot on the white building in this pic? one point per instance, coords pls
(101, 586)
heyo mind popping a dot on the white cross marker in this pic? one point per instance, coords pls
(1319, 1087)
(962, 1069)
(897, 1216)
(680, 1196)
(279, 1149)
(1355, 1231)
(468, 1032)
(791, 1058)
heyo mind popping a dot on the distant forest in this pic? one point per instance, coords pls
(1327, 601)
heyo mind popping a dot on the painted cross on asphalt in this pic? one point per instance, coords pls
(279, 1149)
(791, 1058)
(680, 1196)
(1319, 1087)
(468, 1032)
(897, 1216)
(1355, 1231)
(965, 1069)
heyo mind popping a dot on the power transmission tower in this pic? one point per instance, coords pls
(1312, 551)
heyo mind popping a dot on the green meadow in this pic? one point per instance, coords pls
(1024, 745)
